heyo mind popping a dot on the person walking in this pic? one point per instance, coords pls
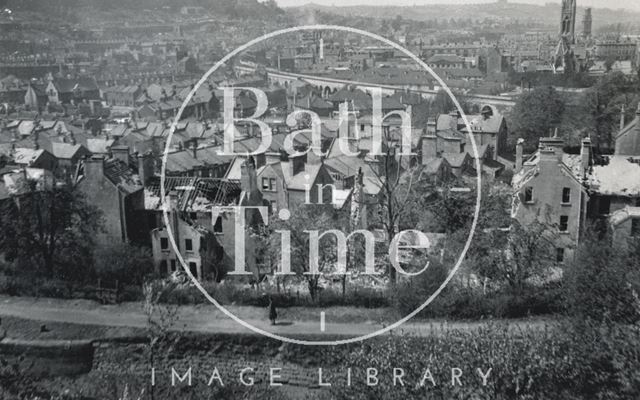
(273, 314)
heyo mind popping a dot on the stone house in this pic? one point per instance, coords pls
(113, 187)
(548, 188)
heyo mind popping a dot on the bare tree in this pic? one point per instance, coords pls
(161, 318)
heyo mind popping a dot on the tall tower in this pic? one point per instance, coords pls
(568, 20)
(564, 58)
(587, 23)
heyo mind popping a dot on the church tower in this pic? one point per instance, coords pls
(564, 58)
(568, 21)
(587, 23)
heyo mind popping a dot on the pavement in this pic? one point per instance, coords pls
(208, 319)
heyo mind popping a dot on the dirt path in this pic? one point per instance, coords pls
(208, 319)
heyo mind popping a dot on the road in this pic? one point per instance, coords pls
(208, 319)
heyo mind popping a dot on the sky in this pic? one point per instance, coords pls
(615, 4)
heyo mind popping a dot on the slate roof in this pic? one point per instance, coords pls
(65, 151)
(25, 156)
(357, 97)
(408, 98)
(311, 102)
(65, 85)
(349, 166)
(445, 58)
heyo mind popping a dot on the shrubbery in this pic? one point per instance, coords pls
(228, 293)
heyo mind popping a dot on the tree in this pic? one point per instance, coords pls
(609, 62)
(303, 219)
(515, 257)
(603, 104)
(53, 230)
(536, 114)
(161, 318)
(396, 24)
(442, 103)
(602, 283)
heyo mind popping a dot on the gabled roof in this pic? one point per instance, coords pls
(299, 181)
(456, 160)
(67, 151)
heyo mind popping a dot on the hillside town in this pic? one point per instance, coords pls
(500, 155)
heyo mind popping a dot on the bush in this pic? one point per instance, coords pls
(123, 262)
(229, 293)
(464, 303)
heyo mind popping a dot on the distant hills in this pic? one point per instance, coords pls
(232, 8)
(548, 14)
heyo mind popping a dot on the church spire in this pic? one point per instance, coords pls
(568, 20)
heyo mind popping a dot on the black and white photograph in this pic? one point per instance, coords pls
(319, 199)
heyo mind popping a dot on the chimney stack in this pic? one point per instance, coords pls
(36, 140)
(453, 122)
(429, 148)
(145, 167)
(554, 144)
(585, 154)
(297, 164)
(94, 167)
(121, 153)
(248, 177)
(519, 154)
